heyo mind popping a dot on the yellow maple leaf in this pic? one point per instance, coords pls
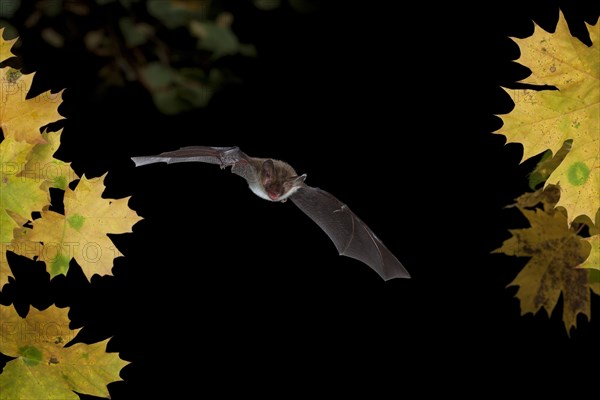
(555, 251)
(43, 166)
(82, 232)
(593, 260)
(43, 367)
(21, 118)
(545, 119)
(5, 46)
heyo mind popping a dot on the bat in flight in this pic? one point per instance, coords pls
(276, 180)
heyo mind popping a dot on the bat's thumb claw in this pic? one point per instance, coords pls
(300, 179)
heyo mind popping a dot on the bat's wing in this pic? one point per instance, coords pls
(351, 236)
(239, 162)
(223, 156)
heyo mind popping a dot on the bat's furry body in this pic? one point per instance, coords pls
(276, 180)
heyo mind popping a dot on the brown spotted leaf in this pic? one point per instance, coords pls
(555, 250)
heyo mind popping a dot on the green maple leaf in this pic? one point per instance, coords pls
(43, 368)
(19, 195)
(5, 270)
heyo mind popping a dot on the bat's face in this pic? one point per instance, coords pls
(278, 181)
(280, 191)
(274, 190)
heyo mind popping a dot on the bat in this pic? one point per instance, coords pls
(276, 181)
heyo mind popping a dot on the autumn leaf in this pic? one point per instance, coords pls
(42, 165)
(22, 118)
(28, 170)
(547, 165)
(595, 281)
(555, 250)
(43, 368)
(5, 270)
(593, 260)
(215, 37)
(545, 119)
(19, 195)
(82, 232)
(5, 46)
(547, 197)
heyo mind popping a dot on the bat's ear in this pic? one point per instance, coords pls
(268, 169)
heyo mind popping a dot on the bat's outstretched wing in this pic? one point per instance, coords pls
(239, 162)
(223, 156)
(351, 236)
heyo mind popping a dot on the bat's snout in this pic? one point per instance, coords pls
(273, 196)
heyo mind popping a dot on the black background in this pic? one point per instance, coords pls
(390, 108)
